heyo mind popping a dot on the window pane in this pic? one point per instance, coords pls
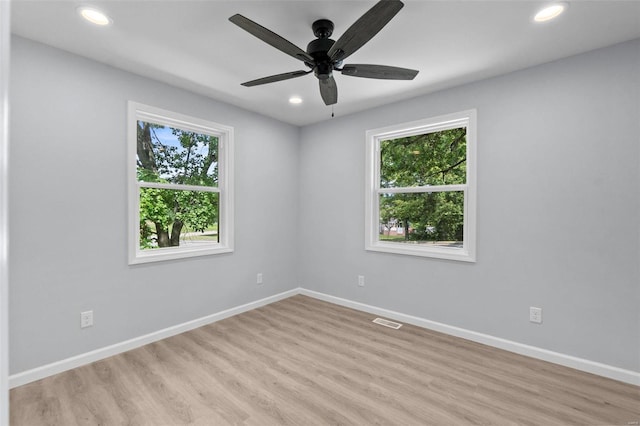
(437, 158)
(167, 154)
(434, 218)
(174, 218)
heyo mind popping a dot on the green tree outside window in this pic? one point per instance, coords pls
(425, 160)
(168, 217)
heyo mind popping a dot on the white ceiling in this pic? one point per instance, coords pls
(192, 44)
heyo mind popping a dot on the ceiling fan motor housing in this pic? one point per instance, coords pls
(318, 48)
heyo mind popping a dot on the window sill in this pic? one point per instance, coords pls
(163, 254)
(457, 254)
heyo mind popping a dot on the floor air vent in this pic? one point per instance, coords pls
(387, 323)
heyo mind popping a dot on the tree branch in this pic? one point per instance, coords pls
(448, 169)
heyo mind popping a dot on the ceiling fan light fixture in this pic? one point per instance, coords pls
(95, 16)
(295, 100)
(550, 11)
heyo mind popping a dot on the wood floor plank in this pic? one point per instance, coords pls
(465, 376)
(364, 376)
(403, 359)
(516, 373)
(301, 361)
(331, 379)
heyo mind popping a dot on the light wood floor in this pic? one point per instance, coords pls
(301, 361)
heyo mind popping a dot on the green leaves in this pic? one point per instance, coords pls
(437, 158)
(175, 156)
(168, 210)
(186, 158)
(198, 210)
(432, 159)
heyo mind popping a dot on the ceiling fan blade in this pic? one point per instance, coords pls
(274, 78)
(271, 38)
(329, 91)
(364, 29)
(383, 72)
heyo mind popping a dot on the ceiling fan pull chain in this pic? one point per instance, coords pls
(332, 111)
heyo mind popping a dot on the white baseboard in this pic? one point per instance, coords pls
(102, 353)
(597, 368)
(627, 376)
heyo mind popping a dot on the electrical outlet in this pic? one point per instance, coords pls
(259, 278)
(535, 315)
(86, 319)
(360, 280)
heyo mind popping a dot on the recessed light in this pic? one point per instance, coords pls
(550, 12)
(94, 16)
(295, 100)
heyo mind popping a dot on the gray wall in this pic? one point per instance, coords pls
(68, 211)
(558, 209)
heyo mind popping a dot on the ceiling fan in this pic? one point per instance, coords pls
(324, 55)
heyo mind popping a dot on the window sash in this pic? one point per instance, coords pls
(178, 121)
(178, 187)
(418, 189)
(375, 213)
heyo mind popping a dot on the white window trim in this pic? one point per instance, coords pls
(372, 189)
(138, 111)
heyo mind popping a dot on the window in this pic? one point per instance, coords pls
(420, 195)
(180, 185)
